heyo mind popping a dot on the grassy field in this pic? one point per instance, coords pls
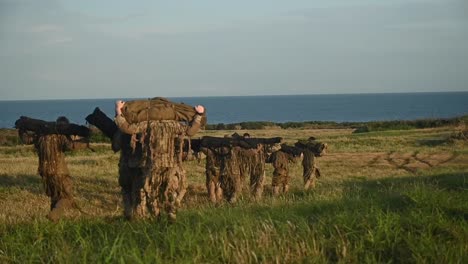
(391, 196)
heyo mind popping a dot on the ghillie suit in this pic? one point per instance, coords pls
(252, 162)
(311, 149)
(163, 182)
(238, 157)
(230, 178)
(212, 172)
(52, 167)
(191, 149)
(280, 160)
(54, 173)
(27, 137)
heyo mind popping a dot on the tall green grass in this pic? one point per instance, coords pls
(365, 209)
(412, 219)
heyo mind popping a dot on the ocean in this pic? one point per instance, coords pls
(281, 108)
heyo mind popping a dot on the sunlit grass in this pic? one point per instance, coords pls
(376, 202)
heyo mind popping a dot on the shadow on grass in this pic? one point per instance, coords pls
(393, 195)
(432, 142)
(379, 207)
(31, 183)
(360, 197)
(108, 192)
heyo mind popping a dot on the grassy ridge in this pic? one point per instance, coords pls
(390, 196)
(8, 137)
(359, 126)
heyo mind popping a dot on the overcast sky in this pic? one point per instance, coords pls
(67, 49)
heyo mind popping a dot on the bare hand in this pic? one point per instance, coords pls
(200, 109)
(118, 107)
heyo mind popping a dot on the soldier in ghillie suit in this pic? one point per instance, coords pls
(280, 159)
(163, 182)
(230, 174)
(311, 149)
(212, 172)
(238, 157)
(252, 163)
(223, 175)
(52, 168)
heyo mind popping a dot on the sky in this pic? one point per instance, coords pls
(67, 49)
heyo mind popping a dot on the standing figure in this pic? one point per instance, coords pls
(212, 172)
(50, 147)
(130, 172)
(311, 149)
(230, 174)
(223, 175)
(280, 160)
(238, 157)
(252, 162)
(54, 173)
(163, 182)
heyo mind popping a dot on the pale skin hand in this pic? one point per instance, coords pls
(118, 107)
(199, 109)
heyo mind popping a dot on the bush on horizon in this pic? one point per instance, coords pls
(9, 137)
(360, 127)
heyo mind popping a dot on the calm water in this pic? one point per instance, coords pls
(340, 108)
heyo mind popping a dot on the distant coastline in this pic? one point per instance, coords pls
(267, 108)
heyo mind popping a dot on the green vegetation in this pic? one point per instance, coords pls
(385, 196)
(8, 137)
(359, 126)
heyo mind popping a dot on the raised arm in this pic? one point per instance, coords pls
(195, 125)
(122, 123)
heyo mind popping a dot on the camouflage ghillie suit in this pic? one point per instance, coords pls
(230, 178)
(252, 162)
(212, 171)
(310, 171)
(163, 182)
(311, 149)
(54, 173)
(280, 181)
